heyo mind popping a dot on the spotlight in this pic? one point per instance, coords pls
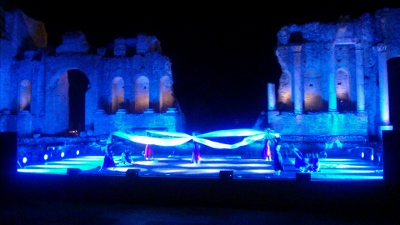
(62, 154)
(77, 152)
(27, 158)
(45, 157)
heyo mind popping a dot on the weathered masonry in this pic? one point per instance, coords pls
(75, 89)
(335, 77)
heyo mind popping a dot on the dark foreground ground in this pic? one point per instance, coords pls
(174, 191)
(90, 199)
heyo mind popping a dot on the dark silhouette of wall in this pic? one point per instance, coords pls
(8, 151)
(391, 155)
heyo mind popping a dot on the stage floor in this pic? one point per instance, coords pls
(210, 167)
(344, 187)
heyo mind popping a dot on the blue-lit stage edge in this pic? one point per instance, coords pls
(210, 166)
(366, 166)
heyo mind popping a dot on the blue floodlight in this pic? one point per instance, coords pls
(27, 158)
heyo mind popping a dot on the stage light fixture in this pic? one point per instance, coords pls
(77, 152)
(226, 174)
(62, 154)
(46, 156)
(132, 173)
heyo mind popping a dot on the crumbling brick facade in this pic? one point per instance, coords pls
(335, 78)
(76, 89)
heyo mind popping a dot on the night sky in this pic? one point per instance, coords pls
(222, 55)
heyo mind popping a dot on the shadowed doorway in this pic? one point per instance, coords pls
(78, 85)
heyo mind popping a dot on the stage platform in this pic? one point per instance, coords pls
(210, 167)
(342, 186)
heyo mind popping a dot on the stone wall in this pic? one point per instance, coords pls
(59, 90)
(138, 123)
(319, 124)
(334, 77)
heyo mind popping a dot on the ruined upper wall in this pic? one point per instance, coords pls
(339, 67)
(383, 26)
(76, 42)
(24, 31)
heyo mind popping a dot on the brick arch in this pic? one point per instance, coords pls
(65, 103)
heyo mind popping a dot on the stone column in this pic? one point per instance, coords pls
(297, 82)
(271, 96)
(383, 86)
(332, 104)
(360, 78)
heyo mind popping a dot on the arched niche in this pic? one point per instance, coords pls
(166, 93)
(343, 89)
(25, 95)
(142, 91)
(284, 102)
(117, 98)
(78, 86)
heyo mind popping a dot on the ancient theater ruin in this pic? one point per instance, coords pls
(336, 80)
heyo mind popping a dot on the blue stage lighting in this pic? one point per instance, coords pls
(27, 158)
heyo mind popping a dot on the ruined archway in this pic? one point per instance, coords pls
(78, 85)
(25, 95)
